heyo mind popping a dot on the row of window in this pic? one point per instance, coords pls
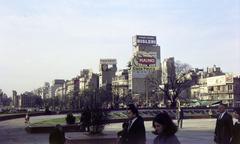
(221, 88)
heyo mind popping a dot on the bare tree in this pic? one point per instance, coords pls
(178, 80)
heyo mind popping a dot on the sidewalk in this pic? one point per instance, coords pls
(195, 131)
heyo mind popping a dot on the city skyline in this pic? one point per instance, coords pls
(43, 41)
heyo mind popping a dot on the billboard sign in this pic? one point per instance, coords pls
(142, 39)
(229, 78)
(219, 80)
(147, 60)
(108, 61)
(143, 63)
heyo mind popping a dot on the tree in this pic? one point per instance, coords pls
(38, 101)
(178, 80)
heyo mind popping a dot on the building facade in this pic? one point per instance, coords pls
(56, 84)
(88, 80)
(30, 100)
(16, 99)
(120, 87)
(108, 69)
(145, 62)
(223, 88)
(168, 71)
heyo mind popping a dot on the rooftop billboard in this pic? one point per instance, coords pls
(145, 40)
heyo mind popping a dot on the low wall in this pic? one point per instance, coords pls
(19, 115)
(84, 138)
(48, 129)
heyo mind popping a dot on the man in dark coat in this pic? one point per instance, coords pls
(224, 126)
(86, 119)
(236, 127)
(136, 129)
(57, 136)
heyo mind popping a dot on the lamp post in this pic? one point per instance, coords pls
(146, 91)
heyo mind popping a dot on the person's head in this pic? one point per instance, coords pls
(222, 107)
(164, 125)
(237, 113)
(132, 111)
(59, 127)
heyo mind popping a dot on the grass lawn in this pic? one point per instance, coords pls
(53, 122)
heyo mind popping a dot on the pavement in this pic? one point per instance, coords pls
(195, 131)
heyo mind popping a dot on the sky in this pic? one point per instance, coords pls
(43, 40)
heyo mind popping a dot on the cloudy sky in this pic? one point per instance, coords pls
(41, 40)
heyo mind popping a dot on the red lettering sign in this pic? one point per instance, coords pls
(146, 60)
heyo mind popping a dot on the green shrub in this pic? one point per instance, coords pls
(70, 119)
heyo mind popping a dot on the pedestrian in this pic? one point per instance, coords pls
(123, 133)
(136, 133)
(180, 118)
(236, 127)
(86, 119)
(165, 129)
(57, 136)
(224, 126)
(210, 113)
(27, 118)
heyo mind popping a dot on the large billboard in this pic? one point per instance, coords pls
(143, 63)
(219, 80)
(146, 40)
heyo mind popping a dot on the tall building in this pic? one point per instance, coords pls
(145, 62)
(88, 80)
(46, 90)
(236, 90)
(168, 71)
(1, 98)
(120, 86)
(30, 100)
(16, 99)
(56, 84)
(108, 69)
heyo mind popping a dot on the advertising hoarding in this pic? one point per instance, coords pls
(220, 80)
(143, 63)
(146, 40)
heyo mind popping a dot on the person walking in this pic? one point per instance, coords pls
(123, 133)
(224, 126)
(136, 133)
(27, 118)
(57, 136)
(165, 129)
(236, 127)
(180, 118)
(86, 119)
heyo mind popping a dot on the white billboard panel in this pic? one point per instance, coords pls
(220, 80)
(216, 81)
